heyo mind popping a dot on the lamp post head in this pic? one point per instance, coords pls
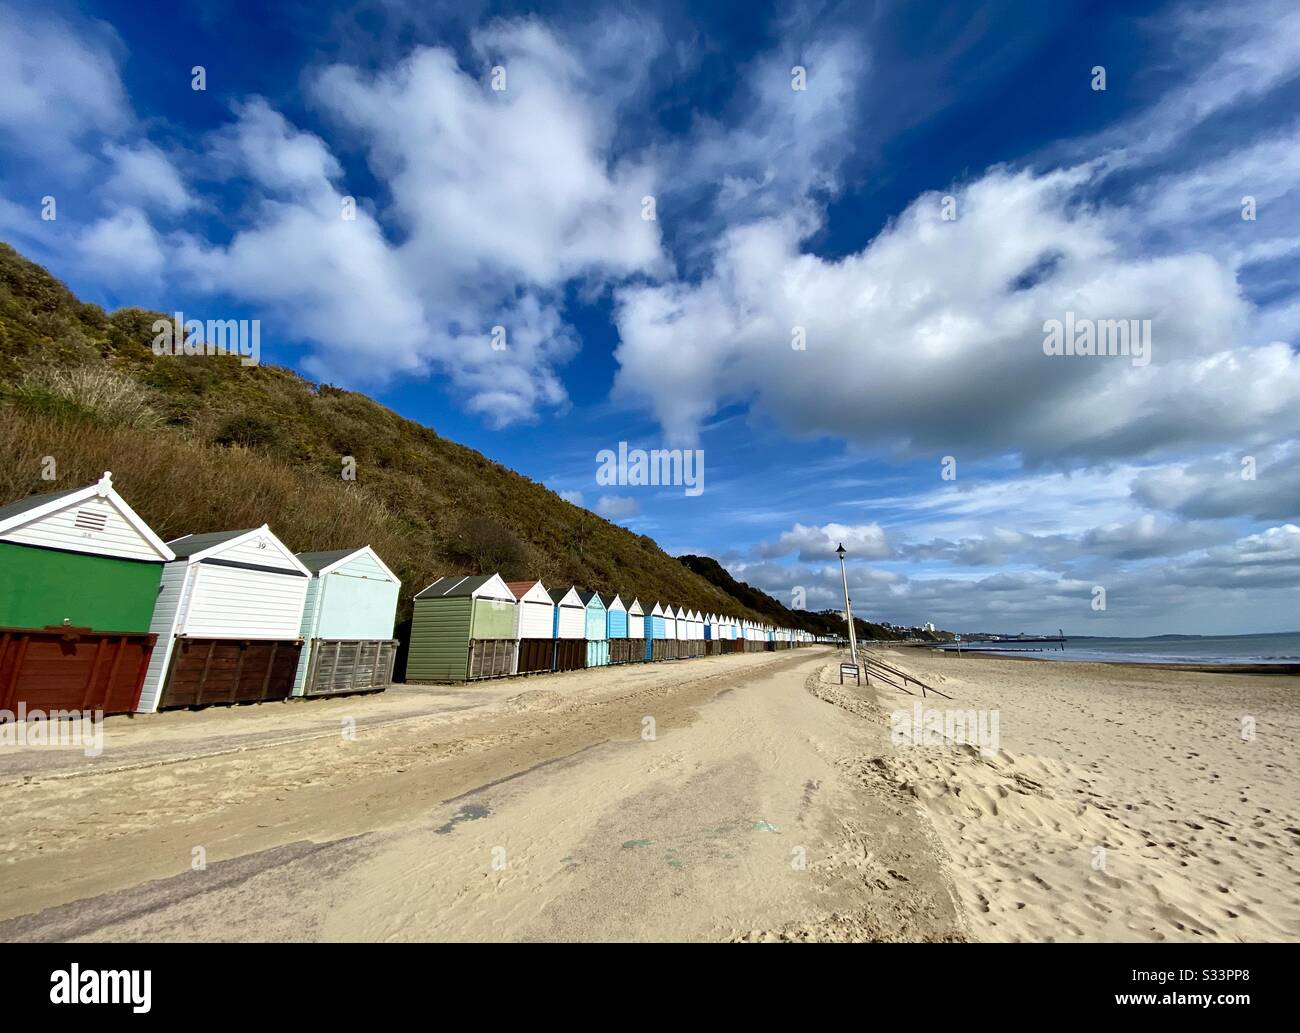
(840, 551)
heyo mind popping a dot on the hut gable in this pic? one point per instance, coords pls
(255, 548)
(636, 620)
(94, 519)
(363, 563)
(570, 613)
(535, 617)
(530, 592)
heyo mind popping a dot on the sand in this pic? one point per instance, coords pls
(1124, 803)
(539, 812)
(769, 804)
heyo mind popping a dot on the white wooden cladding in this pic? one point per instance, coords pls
(235, 602)
(164, 626)
(573, 622)
(535, 619)
(261, 550)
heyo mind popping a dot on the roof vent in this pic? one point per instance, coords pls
(91, 519)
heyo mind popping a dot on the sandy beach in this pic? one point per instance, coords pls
(1198, 824)
(747, 797)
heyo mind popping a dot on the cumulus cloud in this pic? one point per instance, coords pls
(123, 248)
(930, 338)
(513, 183)
(1204, 590)
(496, 200)
(1146, 537)
(58, 83)
(144, 175)
(813, 544)
(617, 507)
(1223, 487)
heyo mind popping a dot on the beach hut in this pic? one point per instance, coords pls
(620, 646)
(79, 573)
(656, 634)
(347, 623)
(671, 649)
(569, 629)
(534, 627)
(462, 629)
(683, 632)
(616, 620)
(228, 621)
(597, 629)
(697, 633)
(636, 632)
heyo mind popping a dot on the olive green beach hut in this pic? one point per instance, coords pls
(462, 629)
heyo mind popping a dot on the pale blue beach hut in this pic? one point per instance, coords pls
(347, 623)
(597, 629)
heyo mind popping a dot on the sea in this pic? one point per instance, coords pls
(1279, 648)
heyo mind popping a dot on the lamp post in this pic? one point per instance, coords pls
(848, 607)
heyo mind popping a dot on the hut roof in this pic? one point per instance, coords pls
(189, 544)
(318, 561)
(455, 585)
(521, 588)
(14, 509)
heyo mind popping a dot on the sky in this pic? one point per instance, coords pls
(823, 244)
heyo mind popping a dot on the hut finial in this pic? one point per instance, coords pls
(105, 484)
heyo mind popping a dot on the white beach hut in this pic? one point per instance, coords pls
(228, 621)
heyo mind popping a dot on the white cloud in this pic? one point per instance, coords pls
(1220, 487)
(495, 202)
(816, 544)
(122, 248)
(922, 339)
(58, 82)
(514, 183)
(144, 175)
(617, 507)
(334, 281)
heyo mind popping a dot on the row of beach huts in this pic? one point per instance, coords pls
(98, 613)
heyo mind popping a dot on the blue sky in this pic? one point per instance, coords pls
(947, 179)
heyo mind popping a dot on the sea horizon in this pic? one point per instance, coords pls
(1278, 647)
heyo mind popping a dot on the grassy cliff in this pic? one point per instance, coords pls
(203, 443)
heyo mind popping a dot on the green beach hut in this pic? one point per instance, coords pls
(462, 629)
(79, 576)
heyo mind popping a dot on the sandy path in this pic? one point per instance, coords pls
(1124, 804)
(541, 814)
